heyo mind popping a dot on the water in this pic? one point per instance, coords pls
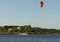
(30, 38)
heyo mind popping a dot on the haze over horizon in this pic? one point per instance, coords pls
(29, 12)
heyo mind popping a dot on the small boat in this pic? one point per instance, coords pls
(22, 34)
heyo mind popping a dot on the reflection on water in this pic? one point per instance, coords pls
(29, 38)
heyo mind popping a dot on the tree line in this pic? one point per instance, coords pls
(26, 29)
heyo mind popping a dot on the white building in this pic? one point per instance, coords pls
(18, 27)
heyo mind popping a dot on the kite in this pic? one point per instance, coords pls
(41, 4)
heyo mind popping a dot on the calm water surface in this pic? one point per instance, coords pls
(30, 38)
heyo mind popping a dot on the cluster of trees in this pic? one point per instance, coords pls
(27, 29)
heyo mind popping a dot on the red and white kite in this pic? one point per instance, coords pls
(41, 4)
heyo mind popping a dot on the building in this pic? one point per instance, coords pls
(10, 29)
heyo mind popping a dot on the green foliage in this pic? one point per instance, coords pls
(28, 29)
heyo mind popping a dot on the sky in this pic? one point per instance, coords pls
(29, 12)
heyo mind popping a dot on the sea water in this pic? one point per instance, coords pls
(30, 38)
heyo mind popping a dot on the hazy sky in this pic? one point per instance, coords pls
(28, 12)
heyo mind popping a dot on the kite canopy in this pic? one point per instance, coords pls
(41, 4)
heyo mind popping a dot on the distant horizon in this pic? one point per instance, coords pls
(31, 26)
